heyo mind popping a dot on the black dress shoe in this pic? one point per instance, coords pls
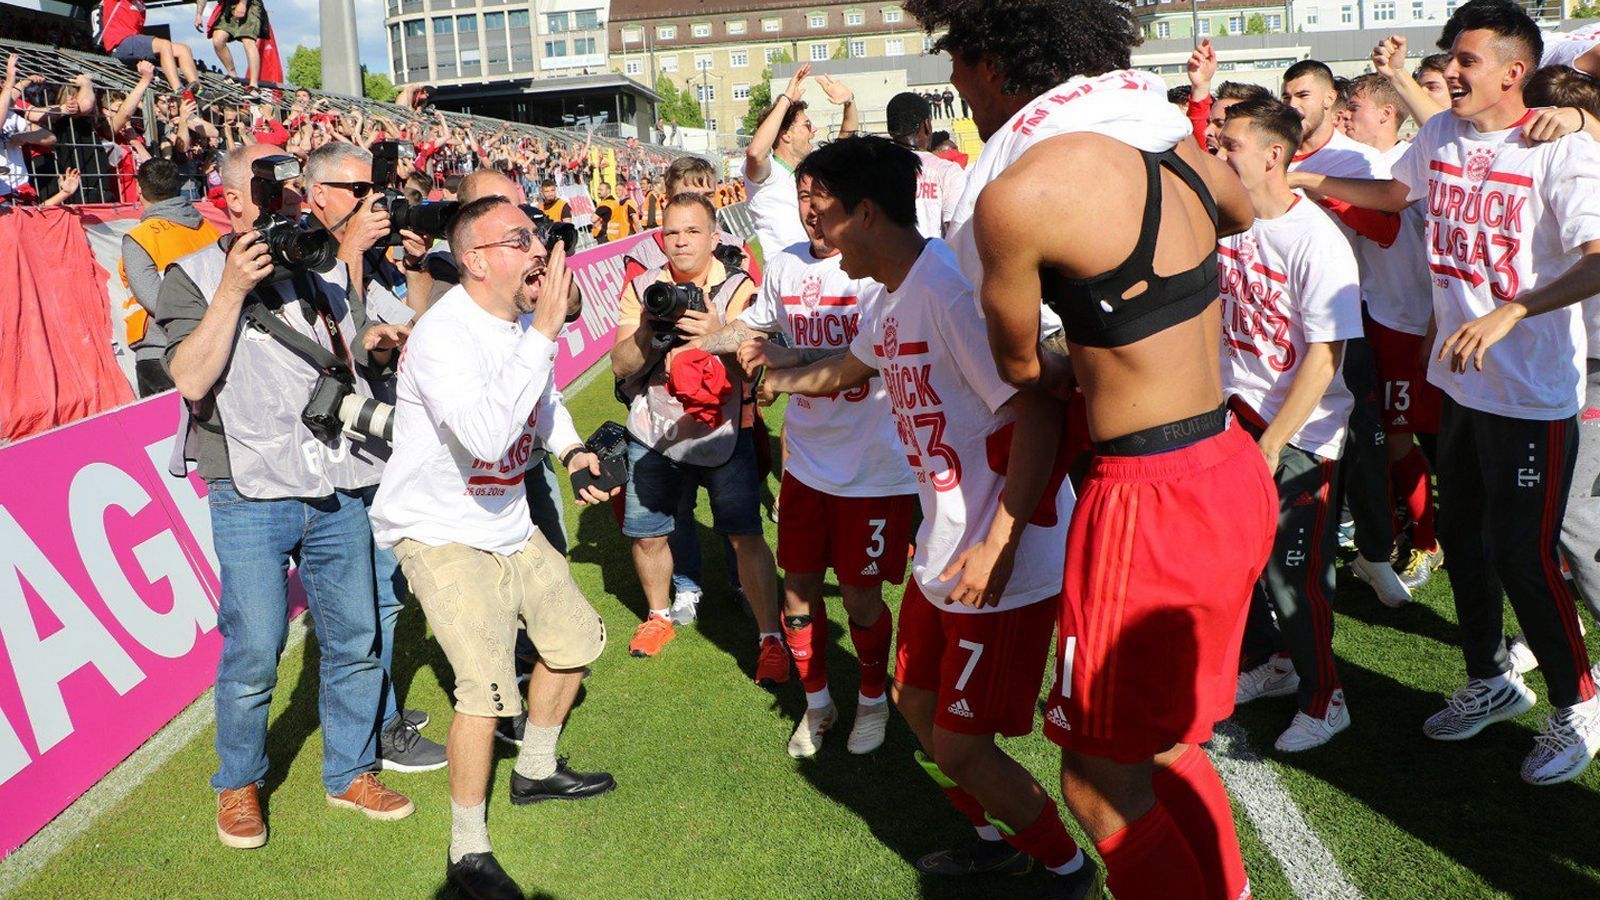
(479, 876)
(563, 784)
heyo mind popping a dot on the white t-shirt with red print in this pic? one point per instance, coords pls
(1286, 283)
(842, 444)
(930, 346)
(1504, 218)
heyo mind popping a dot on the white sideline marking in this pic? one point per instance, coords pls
(43, 847)
(1312, 871)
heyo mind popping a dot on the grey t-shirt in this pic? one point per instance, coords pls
(179, 310)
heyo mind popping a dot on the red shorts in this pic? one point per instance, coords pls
(1162, 555)
(862, 539)
(985, 667)
(1410, 404)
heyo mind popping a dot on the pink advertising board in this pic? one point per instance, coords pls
(109, 585)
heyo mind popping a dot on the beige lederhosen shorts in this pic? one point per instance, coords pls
(474, 601)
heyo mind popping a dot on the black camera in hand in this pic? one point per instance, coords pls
(666, 302)
(293, 248)
(335, 406)
(610, 443)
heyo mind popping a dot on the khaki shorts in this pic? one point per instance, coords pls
(474, 600)
(248, 28)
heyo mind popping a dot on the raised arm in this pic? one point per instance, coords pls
(758, 154)
(841, 95)
(1389, 60)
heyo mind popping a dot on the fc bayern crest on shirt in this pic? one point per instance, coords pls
(811, 291)
(891, 338)
(1479, 162)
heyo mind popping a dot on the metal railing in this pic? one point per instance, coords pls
(83, 142)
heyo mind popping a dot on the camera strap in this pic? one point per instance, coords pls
(319, 356)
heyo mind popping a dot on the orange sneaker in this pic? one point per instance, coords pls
(368, 795)
(772, 666)
(652, 634)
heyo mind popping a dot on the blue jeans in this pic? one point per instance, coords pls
(391, 586)
(544, 502)
(254, 541)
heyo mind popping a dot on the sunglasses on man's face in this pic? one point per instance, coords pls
(359, 188)
(521, 240)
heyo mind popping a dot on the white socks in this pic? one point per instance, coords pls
(1071, 865)
(987, 832)
(469, 830)
(538, 757)
(819, 699)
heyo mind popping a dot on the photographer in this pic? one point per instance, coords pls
(476, 396)
(277, 487)
(340, 196)
(689, 423)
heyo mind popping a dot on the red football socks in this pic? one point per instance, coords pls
(1196, 800)
(872, 648)
(1150, 860)
(1412, 486)
(1045, 838)
(967, 805)
(808, 644)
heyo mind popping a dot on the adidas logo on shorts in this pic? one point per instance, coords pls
(871, 569)
(960, 708)
(1058, 718)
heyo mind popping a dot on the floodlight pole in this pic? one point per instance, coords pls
(341, 58)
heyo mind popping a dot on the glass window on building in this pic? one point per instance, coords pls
(817, 20)
(667, 32)
(854, 17)
(668, 63)
(1274, 22)
(891, 15)
(633, 67)
(927, 43)
(518, 18)
(738, 59)
(702, 62)
(586, 18)
(1417, 9)
(465, 24)
(737, 26)
(555, 48)
(700, 29)
(632, 36)
(1346, 15)
(1163, 29)
(820, 52)
(741, 92)
(494, 21)
(416, 28)
(771, 26)
(894, 47)
(711, 124)
(583, 46)
(705, 93)
(443, 25)
(1205, 27)
(394, 7)
(1236, 24)
(555, 23)
(1383, 11)
(858, 49)
(773, 53)
(1311, 16)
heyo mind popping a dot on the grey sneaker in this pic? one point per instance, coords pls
(1478, 705)
(402, 748)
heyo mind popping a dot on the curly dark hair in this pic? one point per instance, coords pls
(1035, 44)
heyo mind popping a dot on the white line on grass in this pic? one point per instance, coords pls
(121, 781)
(1312, 871)
(37, 853)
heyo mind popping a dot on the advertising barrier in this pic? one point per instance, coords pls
(109, 584)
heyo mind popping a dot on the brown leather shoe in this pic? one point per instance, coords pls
(369, 795)
(240, 823)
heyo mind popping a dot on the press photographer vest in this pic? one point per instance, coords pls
(264, 389)
(656, 418)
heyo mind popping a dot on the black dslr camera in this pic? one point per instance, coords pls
(610, 443)
(430, 219)
(294, 248)
(666, 303)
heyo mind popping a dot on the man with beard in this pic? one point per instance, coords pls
(476, 395)
(1149, 641)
